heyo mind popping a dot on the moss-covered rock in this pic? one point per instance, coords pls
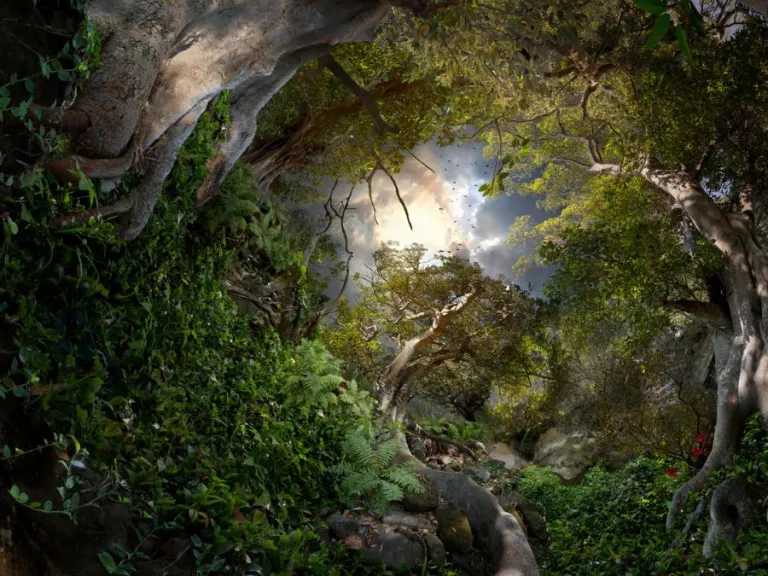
(453, 529)
(424, 501)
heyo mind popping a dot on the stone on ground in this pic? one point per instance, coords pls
(453, 529)
(477, 474)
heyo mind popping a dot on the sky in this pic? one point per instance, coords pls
(447, 210)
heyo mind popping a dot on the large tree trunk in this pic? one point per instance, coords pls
(164, 59)
(742, 377)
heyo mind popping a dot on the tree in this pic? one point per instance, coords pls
(283, 264)
(636, 120)
(440, 314)
(163, 64)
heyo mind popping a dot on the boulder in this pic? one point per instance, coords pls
(395, 517)
(453, 529)
(435, 549)
(568, 455)
(423, 501)
(509, 456)
(477, 474)
(417, 448)
(342, 526)
(396, 550)
(534, 523)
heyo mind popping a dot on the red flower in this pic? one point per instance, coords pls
(672, 472)
(700, 438)
(697, 451)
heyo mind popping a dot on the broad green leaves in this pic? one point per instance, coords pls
(652, 6)
(659, 30)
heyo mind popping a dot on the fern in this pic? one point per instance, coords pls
(313, 384)
(368, 474)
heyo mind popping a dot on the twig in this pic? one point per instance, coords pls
(397, 189)
(420, 161)
(370, 192)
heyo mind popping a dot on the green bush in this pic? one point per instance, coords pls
(613, 522)
(136, 350)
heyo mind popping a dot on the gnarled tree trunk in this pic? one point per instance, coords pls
(165, 59)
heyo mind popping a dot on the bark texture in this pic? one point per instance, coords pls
(742, 363)
(394, 388)
(164, 60)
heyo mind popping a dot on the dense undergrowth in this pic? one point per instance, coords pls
(131, 361)
(613, 522)
(134, 359)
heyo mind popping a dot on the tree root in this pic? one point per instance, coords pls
(498, 531)
(734, 504)
(692, 519)
(463, 448)
(68, 169)
(118, 208)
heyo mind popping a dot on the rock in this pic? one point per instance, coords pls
(453, 529)
(509, 456)
(534, 523)
(435, 549)
(568, 455)
(342, 526)
(400, 518)
(417, 448)
(426, 500)
(478, 474)
(354, 541)
(396, 550)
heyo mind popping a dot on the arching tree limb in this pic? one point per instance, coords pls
(363, 95)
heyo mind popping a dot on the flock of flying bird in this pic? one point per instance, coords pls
(486, 175)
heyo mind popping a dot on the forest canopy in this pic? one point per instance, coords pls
(217, 358)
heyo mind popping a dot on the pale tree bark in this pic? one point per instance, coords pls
(164, 60)
(393, 389)
(742, 372)
(742, 369)
(244, 104)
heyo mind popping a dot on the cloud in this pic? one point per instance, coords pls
(446, 209)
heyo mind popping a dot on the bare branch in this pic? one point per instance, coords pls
(420, 161)
(369, 180)
(380, 164)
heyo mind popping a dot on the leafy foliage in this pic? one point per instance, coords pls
(368, 470)
(137, 351)
(613, 522)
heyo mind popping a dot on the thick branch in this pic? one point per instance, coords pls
(363, 95)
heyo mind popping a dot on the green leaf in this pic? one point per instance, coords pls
(47, 505)
(652, 6)
(659, 29)
(14, 491)
(29, 85)
(113, 429)
(262, 500)
(682, 40)
(6, 451)
(107, 561)
(25, 215)
(44, 68)
(196, 541)
(13, 228)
